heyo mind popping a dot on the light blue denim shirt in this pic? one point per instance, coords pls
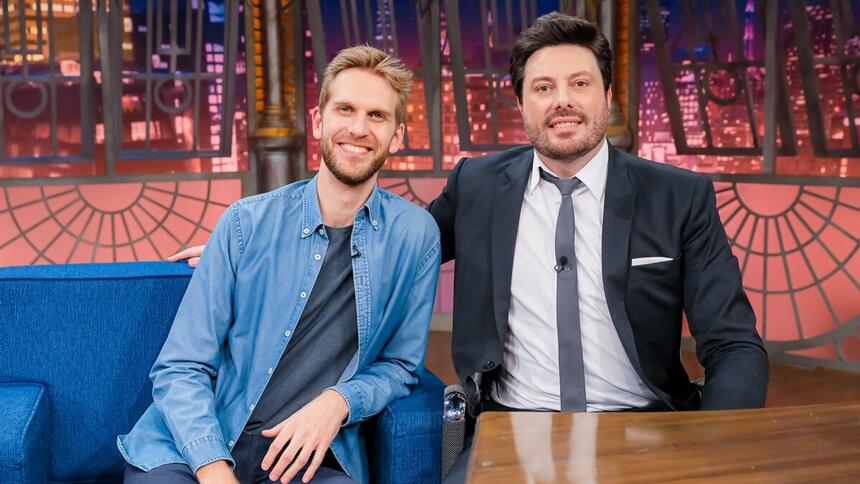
(244, 301)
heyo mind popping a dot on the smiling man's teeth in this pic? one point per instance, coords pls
(354, 148)
(565, 124)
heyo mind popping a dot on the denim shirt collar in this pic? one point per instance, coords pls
(312, 217)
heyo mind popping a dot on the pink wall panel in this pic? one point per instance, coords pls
(798, 248)
(108, 222)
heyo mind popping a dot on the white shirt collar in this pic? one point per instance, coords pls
(592, 175)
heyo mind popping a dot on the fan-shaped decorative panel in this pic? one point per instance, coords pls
(109, 222)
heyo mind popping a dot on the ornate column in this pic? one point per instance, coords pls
(611, 16)
(276, 141)
(609, 21)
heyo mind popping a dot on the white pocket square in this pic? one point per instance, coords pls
(644, 261)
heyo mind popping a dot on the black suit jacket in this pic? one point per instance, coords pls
(650, 209)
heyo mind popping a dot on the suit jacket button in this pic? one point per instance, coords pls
(489, 365)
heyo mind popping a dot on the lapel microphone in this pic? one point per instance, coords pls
(562, 264)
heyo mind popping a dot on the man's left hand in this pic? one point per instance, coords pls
(309, 433)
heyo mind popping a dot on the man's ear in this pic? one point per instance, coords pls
(609, 95)
(397, 140)
(316, 122)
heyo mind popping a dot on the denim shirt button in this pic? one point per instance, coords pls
(317, 257)
(321, 232)
(251, 407)
(287, 333)
(230, 444)
(306, 230)
(303, 295)
(271, 370)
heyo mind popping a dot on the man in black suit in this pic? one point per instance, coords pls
(572, 298)
(594, 323)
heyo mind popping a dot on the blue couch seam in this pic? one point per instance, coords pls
(33, 415)
(76, 279)
(413, 434)
(33, 409)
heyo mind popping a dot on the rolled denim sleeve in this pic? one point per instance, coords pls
(184, 373)
(396, 369)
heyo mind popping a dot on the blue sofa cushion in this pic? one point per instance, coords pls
(405, 444)
(25, 456)
(90, 333)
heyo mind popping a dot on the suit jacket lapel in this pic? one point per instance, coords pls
(618, 210)
(507, 203)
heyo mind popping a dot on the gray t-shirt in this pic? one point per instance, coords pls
(323, 343)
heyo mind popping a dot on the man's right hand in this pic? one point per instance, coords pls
(192, 254)
(217, 472)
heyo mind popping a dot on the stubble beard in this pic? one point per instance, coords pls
(567, 150)
(355, 179)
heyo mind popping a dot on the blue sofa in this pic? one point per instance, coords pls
(76, 346)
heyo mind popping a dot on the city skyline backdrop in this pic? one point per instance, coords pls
(154, 174)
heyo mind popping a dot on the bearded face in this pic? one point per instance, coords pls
(565, 106)
(567, 134)
(357, 127)
(353, 162)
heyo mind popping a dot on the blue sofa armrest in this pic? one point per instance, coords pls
(405, 440)
(25, 453)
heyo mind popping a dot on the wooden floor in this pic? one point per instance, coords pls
(788, 385)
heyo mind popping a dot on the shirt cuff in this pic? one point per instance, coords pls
(206, 450)
(349, 392)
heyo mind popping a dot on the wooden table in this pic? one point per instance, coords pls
(789, 444)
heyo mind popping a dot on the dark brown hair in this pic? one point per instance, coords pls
(559, 29)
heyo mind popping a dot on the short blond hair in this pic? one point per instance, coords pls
(391, 68)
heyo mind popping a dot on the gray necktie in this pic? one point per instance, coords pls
(571, 370)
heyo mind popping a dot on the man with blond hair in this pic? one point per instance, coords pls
(298, 324)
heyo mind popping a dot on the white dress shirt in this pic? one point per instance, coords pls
(529, 377)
